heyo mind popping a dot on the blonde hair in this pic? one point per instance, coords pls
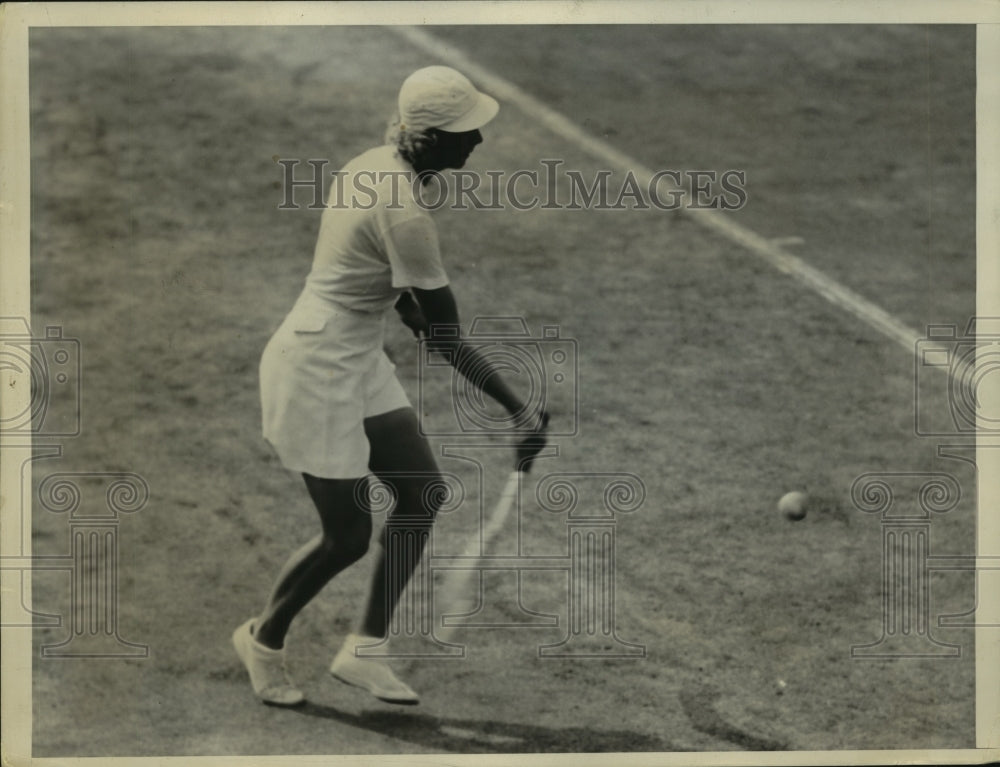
(410, 144)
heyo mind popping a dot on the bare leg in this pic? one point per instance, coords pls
(397, 448)
(344, 540)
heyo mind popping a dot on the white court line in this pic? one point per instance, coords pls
(712, 220)
(475, 550)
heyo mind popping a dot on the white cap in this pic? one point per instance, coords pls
(440, 97)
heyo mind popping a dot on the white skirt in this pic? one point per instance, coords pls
(322, 373)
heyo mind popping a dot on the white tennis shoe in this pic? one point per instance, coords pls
(266, 668)
(372, 674)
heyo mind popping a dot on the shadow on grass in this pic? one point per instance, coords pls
(475, 736)
(699, 705)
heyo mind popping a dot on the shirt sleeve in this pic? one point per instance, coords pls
(415, 254)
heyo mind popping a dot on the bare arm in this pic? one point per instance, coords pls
(410, 314)
(441, 312)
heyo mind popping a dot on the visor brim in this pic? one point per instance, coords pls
(484, 110)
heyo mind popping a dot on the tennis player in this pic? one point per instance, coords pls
(332, 407)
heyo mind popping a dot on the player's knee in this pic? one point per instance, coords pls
(343, 550)
(358, 537)
(348, 545)
(354, 548)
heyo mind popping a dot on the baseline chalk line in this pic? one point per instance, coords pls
(712, 220)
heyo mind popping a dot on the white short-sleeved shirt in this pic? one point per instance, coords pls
(324, 371)
(375, 239)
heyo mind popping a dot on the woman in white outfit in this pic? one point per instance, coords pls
(332, 406)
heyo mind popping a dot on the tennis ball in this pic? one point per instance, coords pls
(793, 505)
